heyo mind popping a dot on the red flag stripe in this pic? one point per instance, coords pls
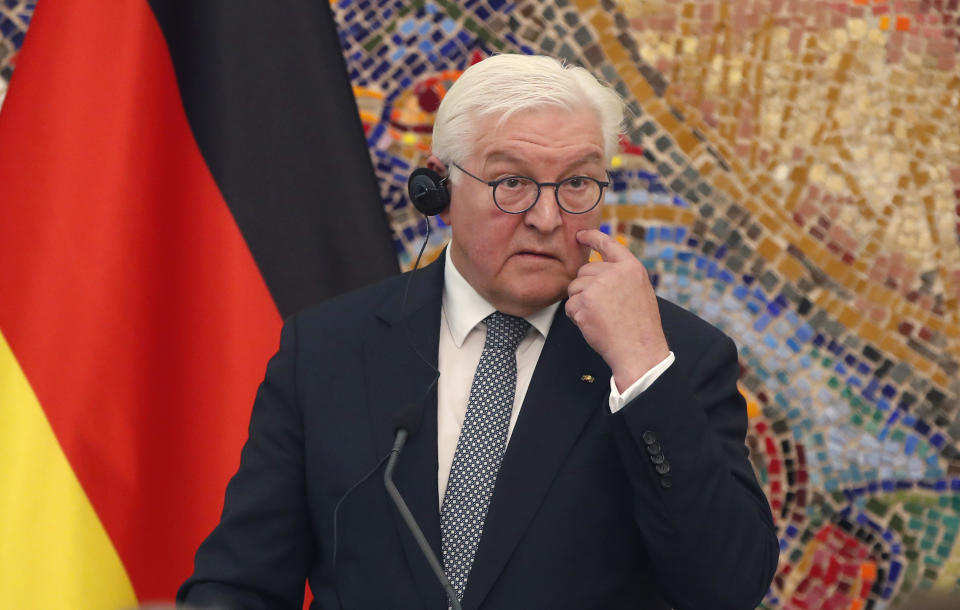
(126, 291)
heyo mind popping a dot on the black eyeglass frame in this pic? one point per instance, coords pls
(556, 188)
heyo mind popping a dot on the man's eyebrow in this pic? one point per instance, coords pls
(498, 156)
(592, 157)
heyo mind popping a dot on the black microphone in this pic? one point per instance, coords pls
(409, 419)
(405, 424)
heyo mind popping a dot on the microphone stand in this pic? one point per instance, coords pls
(412, 523)
(405, 423)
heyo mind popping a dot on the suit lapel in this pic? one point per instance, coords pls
(396, 377)
(557, 406)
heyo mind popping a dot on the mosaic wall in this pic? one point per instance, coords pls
(14, 20)
(791, 172)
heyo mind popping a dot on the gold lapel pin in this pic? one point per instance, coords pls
(586, 378)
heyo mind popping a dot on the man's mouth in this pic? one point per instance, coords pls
(536, 253)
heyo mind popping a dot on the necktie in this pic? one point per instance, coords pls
(480, 448)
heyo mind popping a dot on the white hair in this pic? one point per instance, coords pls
(502, 85)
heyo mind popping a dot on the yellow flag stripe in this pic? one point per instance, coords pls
(54, 552)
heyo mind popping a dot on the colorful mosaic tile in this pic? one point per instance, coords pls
(791, 172)
(14, 21)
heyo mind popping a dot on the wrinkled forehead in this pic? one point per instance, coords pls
(550, 134)
(550, 112)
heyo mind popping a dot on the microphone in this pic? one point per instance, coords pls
(405, 424)
(408, 419)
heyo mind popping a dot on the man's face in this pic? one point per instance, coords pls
(521, 263)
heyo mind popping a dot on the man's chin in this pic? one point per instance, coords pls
(528, 298)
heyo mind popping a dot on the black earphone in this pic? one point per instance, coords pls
(428, 191)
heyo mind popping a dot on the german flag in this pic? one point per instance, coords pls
(175, 178)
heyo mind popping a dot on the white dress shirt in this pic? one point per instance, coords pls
(462, 335)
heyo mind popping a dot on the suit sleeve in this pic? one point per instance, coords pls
(259, 554)
(705, 521)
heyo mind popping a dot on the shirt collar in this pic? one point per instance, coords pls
(464, 308)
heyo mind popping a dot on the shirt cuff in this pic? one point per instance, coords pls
(618, 400)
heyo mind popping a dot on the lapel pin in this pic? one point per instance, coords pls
(586, 378)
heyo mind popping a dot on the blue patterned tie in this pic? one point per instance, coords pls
(480, 448)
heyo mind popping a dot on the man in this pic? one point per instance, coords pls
(585, 453)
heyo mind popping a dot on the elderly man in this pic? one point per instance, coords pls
(581, 443)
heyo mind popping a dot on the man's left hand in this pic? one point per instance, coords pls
(613, 304)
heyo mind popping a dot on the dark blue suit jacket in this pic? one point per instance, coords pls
(580, 517)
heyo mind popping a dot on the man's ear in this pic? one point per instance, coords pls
(441, 168)
(437, 165)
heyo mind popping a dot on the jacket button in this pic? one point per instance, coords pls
(649, 437)
(653, 448)
(663, 468)
(666, 481)
(657, 458)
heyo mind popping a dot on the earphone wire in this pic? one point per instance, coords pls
(406, 328)
(403, 307)
(336, 509)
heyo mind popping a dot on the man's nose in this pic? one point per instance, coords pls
(545, 216)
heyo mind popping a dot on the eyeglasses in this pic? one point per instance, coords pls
(517, 194)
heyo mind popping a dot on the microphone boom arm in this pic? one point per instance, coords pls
(412, 523)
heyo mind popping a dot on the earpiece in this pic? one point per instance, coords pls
(428, 191)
